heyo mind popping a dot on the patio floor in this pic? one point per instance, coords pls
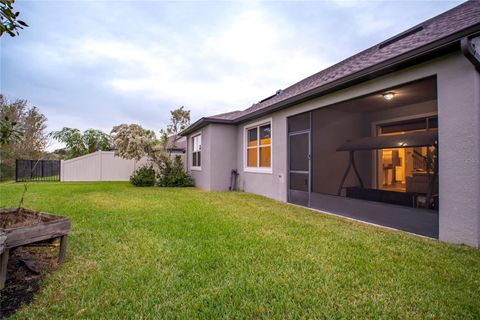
(419, 221)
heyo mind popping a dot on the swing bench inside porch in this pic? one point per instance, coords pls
(427, 199)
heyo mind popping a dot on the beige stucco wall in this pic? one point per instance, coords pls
(219, 152)
(223, 155)
(200, 176)
(459, 138)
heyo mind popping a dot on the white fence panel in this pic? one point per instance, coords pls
(99, 166)
(115, 168)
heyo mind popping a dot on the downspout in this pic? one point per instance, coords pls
(471, 50)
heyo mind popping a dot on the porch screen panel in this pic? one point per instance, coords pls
(298, 159)
(332, 127)
(299, 122)
(299, 152)
(299, 181)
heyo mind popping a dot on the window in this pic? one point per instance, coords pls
(259, 147)
(197, 151)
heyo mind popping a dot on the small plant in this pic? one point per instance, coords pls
(172, 174)
(143, 177)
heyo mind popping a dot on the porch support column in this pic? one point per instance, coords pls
(459, 152)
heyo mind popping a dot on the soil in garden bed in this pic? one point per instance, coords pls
(24, 282)
(21, 218)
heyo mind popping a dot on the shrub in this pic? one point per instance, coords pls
(143, 177)
(7, 170)
(172, 174)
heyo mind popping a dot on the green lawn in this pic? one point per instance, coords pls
(182, 253)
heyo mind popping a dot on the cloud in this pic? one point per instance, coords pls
(97, 64)
(255, 45)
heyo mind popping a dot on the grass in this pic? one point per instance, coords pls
(150, 253)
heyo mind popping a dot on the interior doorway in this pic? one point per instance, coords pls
(409, 169)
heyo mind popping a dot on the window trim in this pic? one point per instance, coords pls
(245, 145)
(192, 167)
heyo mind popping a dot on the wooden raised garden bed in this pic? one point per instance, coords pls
(20, 227)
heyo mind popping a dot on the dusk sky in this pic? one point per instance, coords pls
(92, 64)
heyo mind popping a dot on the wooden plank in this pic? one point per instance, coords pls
(3, 239)
(35, 233)
(63, 249)
(3, 267)
(39, 227)
(23, 242)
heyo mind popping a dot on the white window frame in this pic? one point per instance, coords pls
(245, 145)
(192, 167)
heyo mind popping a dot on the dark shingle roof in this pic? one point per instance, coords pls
(176, 142)
(228, 115)
(432, 34)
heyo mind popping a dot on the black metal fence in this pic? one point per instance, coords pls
(37, 170)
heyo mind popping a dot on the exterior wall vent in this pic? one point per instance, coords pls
(273, 95)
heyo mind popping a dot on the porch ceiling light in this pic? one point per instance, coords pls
(388, 95)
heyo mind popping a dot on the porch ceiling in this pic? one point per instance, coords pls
(406, 94)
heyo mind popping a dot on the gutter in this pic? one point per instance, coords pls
(471, 50)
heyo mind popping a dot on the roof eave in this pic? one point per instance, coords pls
(202, 122)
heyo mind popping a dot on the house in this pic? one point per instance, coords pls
(176, 144)
(177, 147)
(389, 136)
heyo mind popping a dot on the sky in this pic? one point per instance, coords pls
(96, 64)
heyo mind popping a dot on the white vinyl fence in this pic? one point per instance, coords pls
(99, 166)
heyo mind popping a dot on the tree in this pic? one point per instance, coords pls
(79, 144)
(132, 141)
(179, 121)
(32, 122)
(9, 22)
(9, 132)
(97, 140)
(18, 117)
